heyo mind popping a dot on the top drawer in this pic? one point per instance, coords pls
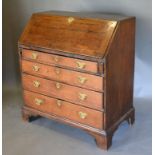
(45, 58)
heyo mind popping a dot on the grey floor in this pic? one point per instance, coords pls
(47, 137)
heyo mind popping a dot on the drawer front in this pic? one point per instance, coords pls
(67, 76)
(60, 61)
(64, 109)
(63, 91)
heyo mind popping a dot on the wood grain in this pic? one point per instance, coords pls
(70, 77)
(60, 60)
(65, 92)
(67, 110)
(88, 37)
(106, 44)
(119, 70)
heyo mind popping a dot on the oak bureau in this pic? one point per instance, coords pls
(78, 68)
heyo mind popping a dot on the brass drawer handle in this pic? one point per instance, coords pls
(59, 103)
(80, 65)
(36, 68)
(57, 71)
(56, 58)
(82, 115)
(82, 96)
(38, 101)
(36, 84)
(58, 85)
(82, 80)
(34, 55)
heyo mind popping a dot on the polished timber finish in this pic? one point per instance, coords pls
(61, 61)
(63, 91)
(77, 68)
(88, 37)
(63, 75)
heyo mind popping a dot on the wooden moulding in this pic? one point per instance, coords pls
(103, 138)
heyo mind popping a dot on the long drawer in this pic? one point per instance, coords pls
(63, 91)
(63, 75)
(64, 109)
(45, 58)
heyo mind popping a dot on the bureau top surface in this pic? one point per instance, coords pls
(85, 34)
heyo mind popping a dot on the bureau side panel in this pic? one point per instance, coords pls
(119, 66)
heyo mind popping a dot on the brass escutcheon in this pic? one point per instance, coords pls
(34, 55)
(59, 103)
(57, 70)
(58, 85)
(56, 58)
(82, 115)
